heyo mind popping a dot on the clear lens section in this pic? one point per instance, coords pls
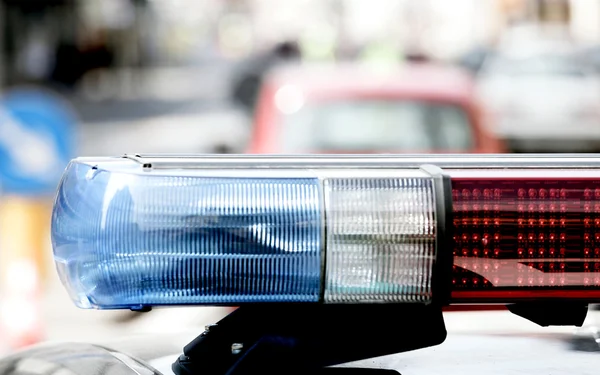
(380, 239)
(129, 239)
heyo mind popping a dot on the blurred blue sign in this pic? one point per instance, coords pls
(37, 141)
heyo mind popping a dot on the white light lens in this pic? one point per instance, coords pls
(380, 240)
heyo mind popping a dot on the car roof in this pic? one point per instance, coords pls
(422, 80)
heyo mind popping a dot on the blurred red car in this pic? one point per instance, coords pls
(420, 108)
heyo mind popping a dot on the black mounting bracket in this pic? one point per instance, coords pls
(551, 313)
(305, 339)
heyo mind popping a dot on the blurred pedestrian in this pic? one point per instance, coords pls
(247, 86)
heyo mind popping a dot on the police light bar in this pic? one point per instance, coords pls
(174, 230)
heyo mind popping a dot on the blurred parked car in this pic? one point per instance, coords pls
(355, 109)
(543, 99)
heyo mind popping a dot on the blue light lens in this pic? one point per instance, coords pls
(124, 239)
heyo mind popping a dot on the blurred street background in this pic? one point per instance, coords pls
(109, 77)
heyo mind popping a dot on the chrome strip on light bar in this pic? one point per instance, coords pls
(211, 161)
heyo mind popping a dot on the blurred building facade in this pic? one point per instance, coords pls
(63, 40)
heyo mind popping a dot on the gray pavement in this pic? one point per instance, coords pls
(174, 133)
(166, 110)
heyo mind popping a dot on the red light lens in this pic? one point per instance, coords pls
(518, 239)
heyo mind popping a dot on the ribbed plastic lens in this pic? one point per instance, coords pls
(380, 240)
(125, 236)
(126, 239)
(523, 238)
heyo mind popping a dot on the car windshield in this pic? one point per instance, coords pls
(541, 65)
(377, 125)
